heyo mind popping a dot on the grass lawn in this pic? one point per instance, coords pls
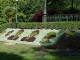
(28, 52)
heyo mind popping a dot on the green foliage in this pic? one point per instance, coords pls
(4, 26)
(47, 37)
(21, 17)
(29, 7)
(50, 25)
(70, 33)
(9, 11)
(58, 5)
(2, 21)
(45, 41)
(34, 33)
(51, 33)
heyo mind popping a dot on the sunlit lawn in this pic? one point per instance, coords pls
(28, 52)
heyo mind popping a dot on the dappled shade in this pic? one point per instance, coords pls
(10, 56)
(67, 40)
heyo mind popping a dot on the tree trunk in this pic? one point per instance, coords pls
(10, 19)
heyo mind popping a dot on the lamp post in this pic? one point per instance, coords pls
(16, 12)
(45, 11)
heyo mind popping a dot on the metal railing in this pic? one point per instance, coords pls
(63, 17)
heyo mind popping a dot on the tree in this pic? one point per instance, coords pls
(9, 11)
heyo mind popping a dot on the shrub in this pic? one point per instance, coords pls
(70, 33)
(51, 25)
(50, 35)
(37, 16)
(47, 37)
(22, 17)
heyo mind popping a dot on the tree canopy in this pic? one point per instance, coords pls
(27, 8)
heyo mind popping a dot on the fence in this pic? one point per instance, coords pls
(63, 17)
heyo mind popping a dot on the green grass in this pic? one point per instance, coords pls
(27, 52)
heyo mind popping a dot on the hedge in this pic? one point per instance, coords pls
(41, 25)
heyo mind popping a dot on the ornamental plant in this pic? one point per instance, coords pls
(34, 33)
(31, 38)
(50, 35)
(71, 33)
(46, 38)
(28, 39)
(19, 32)
(24, 39)
(10, 11)
(16, 36)
(9, 33)
(13, 37)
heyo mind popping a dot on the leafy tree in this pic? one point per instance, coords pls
(9, 11)
(29, 7)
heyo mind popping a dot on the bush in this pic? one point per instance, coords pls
(71, 33)
(38, 15)
(50, 25)
(47, 37)
(22, 17)
(2, 21)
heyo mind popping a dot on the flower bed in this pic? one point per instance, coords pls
(9, 33)
(47, 37)
(16, 36)
(31, 38)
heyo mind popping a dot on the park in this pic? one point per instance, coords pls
(39, 30)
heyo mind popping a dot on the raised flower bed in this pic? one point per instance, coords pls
(31, 38)
(9, 32)
(16, 36)
(47, 37)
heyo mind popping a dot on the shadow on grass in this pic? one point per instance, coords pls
(56, 54)
(65, 55)
(9, 56)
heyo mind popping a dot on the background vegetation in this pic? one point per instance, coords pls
(30, 10)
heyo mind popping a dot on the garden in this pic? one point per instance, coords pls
(39, 41)
(25, 36)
